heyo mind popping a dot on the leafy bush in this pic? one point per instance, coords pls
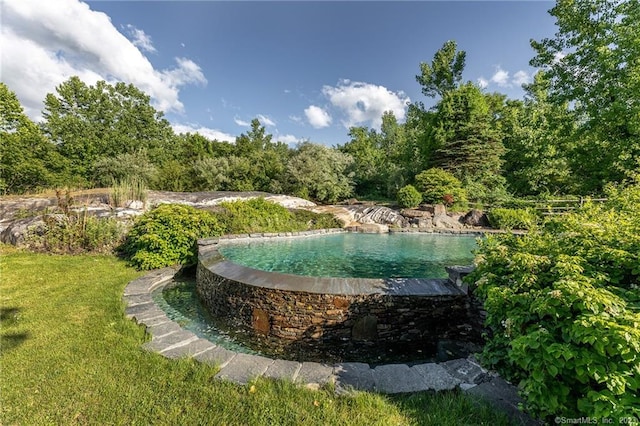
(435, 183)
(409, 197)
(502, 218)
(311, 220)
(168, 234)
(259, 215)
(74, 233)
(255, 215)
(563, 309)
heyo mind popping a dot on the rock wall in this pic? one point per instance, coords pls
(309, 326)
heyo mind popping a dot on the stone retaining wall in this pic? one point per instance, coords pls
(337, 319)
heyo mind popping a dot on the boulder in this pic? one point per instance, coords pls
(446, 222)
(377, 214)
(17, 231)
(439, 209)
(476, 218)
(414, 213)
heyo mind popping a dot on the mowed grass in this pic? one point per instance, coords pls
(69, 356)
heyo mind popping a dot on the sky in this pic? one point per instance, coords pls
(308, 70)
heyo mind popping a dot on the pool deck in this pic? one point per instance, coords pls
(172, 341)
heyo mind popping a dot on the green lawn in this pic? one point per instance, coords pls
(69, 356)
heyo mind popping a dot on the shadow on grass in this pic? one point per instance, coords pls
(8, 340)
(9, 316)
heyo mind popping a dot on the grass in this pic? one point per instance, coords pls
(69, 356)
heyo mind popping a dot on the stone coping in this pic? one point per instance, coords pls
(212, 259)
(170, 340)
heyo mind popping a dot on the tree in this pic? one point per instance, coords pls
(591, 63)
(368, 160)
(320, 173)
(437, 185)
(255, 140)
(444, 73)
(88, 122)
(465, 137)
(538, 137)
(28, 161)
(267, 159)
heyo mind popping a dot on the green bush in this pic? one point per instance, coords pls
(309, 220)
(74, 233)
(255, 215)
(259, 215)
(503, 218)
(439, 186)
(409, 197)
(167, 236)
(563, 307)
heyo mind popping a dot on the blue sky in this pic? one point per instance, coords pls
(307, 70)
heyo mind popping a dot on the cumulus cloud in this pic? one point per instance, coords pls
(44, 43)
(288, 139)
(521, 77)
(483, 83)
(295, 118)
(500, 77)
(364, 103)
(211, 134)
(141, 39)
(317, 117)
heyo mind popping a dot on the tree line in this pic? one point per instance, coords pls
(576, 130)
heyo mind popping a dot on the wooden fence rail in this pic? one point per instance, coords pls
(551, 207)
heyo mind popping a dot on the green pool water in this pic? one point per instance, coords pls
(401, 255)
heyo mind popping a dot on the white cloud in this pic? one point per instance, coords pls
(288, 139)
(141, 39)
(44, 43)
(317, 117)
(208, 133)
(521, 77)
(295, 118)
(364, 103)
(241, 123)
(500, 77)
(483, 82)
(265, 121)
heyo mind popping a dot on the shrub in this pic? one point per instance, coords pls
(310, 220)
(503, 218)
(123, 167)
(259, 215)
(435, 183)
(255, 215)
(74, 233)
(563, 307)
(167, 235)
(409, 197)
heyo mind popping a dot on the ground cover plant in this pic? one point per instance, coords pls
(168, 234)
(69, 356)
(563, 305)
